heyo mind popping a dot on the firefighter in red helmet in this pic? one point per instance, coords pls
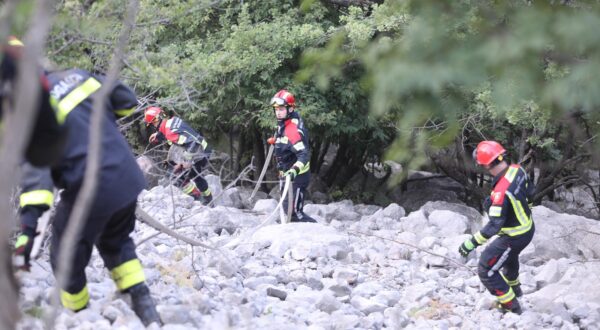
(175, 131)
(509, 218)
(292, 151)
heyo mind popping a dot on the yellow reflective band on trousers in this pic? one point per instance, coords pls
(124, 112)
(128, 274)
(73, 99)
(524, 220)
(510, 295)
(479, 238)
(207, 192)
(189, 187)
(513, 283)
(36, 197)
(204, 144)
(75, 301)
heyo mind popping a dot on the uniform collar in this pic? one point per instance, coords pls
(500, 176)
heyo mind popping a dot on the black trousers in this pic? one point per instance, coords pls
(109, 233)
(298, 187)
(193, 174)
(502, 254)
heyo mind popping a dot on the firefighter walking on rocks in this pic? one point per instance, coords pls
(510, 218)
(175, 131)
(292, 151)
(111, 216)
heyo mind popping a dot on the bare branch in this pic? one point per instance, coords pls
(15, 134)
(452, 261)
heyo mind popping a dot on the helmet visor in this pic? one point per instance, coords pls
(278, 102)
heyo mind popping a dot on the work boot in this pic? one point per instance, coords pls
(512, 306)
(517, 290)
(143, 304)
(207, 199)
(302, 217)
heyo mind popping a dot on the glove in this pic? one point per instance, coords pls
(23, 248)
(271, 140)
(292, 173)
(153, 138)
(467, 246)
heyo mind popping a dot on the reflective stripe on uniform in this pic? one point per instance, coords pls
(524, 220)
(189, 187)
(510, 295)
(128, 274)
(75, 301)
(283, 139)
(74, 98)
(181, 140)
(207, 192)
(511, 173)
(21, 241)
(495, 211)
(479, 238)
(303, 168)
(299, 146)
(514, 282)
(15, 42)
(36, 197)
(124, 112)
(204, 144)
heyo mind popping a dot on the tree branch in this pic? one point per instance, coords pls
(86, 195)
(16, 132)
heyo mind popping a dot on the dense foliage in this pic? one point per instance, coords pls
(420, 82)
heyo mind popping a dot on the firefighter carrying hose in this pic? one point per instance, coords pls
(292, 151)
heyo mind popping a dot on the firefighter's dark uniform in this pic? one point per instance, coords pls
(176, 131)
(292, 150)
(112, 214)
(37, 195)
(48, 137)
(510, 218)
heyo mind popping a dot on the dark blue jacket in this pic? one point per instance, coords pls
(291, 144)
(37, 194)
(509, 211)
(120, 179)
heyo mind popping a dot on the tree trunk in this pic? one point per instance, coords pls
(340, 159)
(315, 148)
(322, 154)
(258, 150)
(353, 160)
(14, 136)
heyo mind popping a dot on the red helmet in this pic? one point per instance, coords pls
(151, 113)
(487, 152)
(283, 98)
